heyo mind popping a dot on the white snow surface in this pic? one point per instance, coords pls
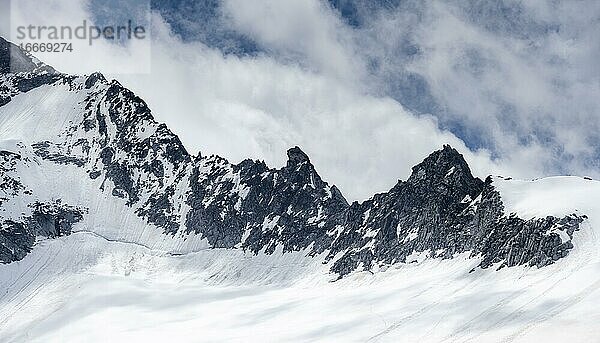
(557, 196)
(85, 288)
(117, 279)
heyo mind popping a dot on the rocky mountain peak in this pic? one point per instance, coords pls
(93, 79)
(444, 164)
(296, 157)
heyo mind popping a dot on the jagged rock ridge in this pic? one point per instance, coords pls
(441, 210)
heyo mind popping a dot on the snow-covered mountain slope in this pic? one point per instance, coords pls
(102, 138)
(105, 217)
(85, 286)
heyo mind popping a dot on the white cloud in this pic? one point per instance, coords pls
(527, 84)
(303, 30)
(257, 108)
(313, 91)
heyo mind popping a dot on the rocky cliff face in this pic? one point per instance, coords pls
(440, 211)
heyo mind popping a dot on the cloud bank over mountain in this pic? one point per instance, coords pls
(369, 88)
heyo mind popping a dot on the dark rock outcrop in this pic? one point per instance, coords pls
(51, 220)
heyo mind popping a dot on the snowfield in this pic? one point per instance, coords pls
(85, 287)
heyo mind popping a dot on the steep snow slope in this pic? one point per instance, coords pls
(41, 114)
